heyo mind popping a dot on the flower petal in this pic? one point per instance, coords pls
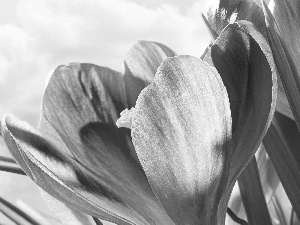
(248, 71)
(244, 60)
(80, 107)
(141, 63)
(81, 99)
(66, 214)
(250, 11)
(121, 197)
(181, 129)
(31, 151)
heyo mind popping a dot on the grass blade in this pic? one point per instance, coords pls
(285, 64)
(9, 165)
(253, 196)
(15, 214)
(97, 221)
(212, 31)
(7, 159)
(268, 176)
(35, 215)
(278, 211)
(282, 143)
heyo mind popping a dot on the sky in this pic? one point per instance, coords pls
(37, 36)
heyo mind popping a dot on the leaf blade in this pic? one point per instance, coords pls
(253, 196)
(15, 214)
(10, 165)
(285, 64)
(283, 159)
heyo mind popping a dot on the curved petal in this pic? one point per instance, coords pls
(287, 18)
(80, 107)
(31, 150)
(244, 60)
(81, 99)
(66, 214)
(141, 63)
(181, 129)
(122, 200)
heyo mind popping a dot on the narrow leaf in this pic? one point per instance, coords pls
(212, 31)
(282, 104)
(97, 221)
(7, 159)
(253, 196)
(216, 21)
(35, 214)
(285, 64)
(268, 176)
(287, 17)
(10, 165)
(282, 145)
(15, 214)
(278, 210)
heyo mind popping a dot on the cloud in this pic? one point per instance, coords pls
(54, 32)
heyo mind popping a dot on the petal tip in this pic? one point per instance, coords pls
(126, 118)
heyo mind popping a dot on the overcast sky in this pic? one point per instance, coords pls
(37, 36)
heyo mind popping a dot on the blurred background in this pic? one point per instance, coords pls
(37, 36)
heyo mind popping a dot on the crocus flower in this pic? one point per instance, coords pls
(194, 129)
